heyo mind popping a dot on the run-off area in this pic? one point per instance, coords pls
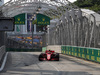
(27, 63)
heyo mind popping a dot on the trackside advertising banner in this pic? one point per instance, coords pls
(42, 19)
(20, 19)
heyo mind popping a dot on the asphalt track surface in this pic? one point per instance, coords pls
(28, 64)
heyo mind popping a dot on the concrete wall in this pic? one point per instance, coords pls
(2, 52)
(56, 48)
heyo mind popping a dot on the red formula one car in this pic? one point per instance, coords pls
(49, 55)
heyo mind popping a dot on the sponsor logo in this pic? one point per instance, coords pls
(18, 19)
(43, 19)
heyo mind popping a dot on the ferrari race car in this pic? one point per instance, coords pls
(49, 55)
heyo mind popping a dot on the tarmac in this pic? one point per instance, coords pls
(27, 63)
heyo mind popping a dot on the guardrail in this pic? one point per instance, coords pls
(2, 52)
(92, 54)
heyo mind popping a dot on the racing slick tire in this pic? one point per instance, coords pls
(57, 56)
(40, 56)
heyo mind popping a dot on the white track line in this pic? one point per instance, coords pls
(4, 62)
(54, 67)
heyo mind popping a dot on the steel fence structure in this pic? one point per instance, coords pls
(76, 29)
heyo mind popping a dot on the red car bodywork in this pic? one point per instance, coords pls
(49, 55)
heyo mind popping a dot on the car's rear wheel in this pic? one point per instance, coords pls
(57, 56)
(40, 57)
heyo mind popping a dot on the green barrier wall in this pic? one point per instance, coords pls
(23, 50)
(91, 54)
(26, 50)
(44, 49)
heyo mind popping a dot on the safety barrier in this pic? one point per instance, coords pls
(2, 53)
(92, 54)
(44, 49)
